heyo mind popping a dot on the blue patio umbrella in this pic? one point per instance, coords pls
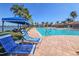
(18, 20)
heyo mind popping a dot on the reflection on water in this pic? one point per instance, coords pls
(8, 28)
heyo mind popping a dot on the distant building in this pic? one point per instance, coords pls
(67, 25)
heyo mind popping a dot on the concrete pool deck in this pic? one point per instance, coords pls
(56, 45)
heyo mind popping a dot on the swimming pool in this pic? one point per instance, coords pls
(49, 32)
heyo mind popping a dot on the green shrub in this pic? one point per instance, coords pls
(16, 36)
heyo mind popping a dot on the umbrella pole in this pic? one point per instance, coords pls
(2, 26)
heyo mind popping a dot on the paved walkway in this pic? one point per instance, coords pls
(56, 45)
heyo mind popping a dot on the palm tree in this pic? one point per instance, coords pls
(57, 22)
(42, 24)
(73, 14)
(30, 19)
(25, 13)
(37, 24)
(63, 22)
(46, 24)
(16, 9)
(69, 20)
(51, 24)
(19, 10)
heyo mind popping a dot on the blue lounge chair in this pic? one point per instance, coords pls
(12, 48)
(28, 38)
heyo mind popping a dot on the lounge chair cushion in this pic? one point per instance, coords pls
(32, 39)
(7, 42)
(11, 47)
(24, 49)
(27, 37)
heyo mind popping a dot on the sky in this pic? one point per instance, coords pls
(43, 12)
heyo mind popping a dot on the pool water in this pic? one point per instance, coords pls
(49, 32)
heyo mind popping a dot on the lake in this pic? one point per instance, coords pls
(8, 28)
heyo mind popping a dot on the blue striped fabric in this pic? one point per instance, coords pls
(7, 42)
(11, 47)
(27, 37)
